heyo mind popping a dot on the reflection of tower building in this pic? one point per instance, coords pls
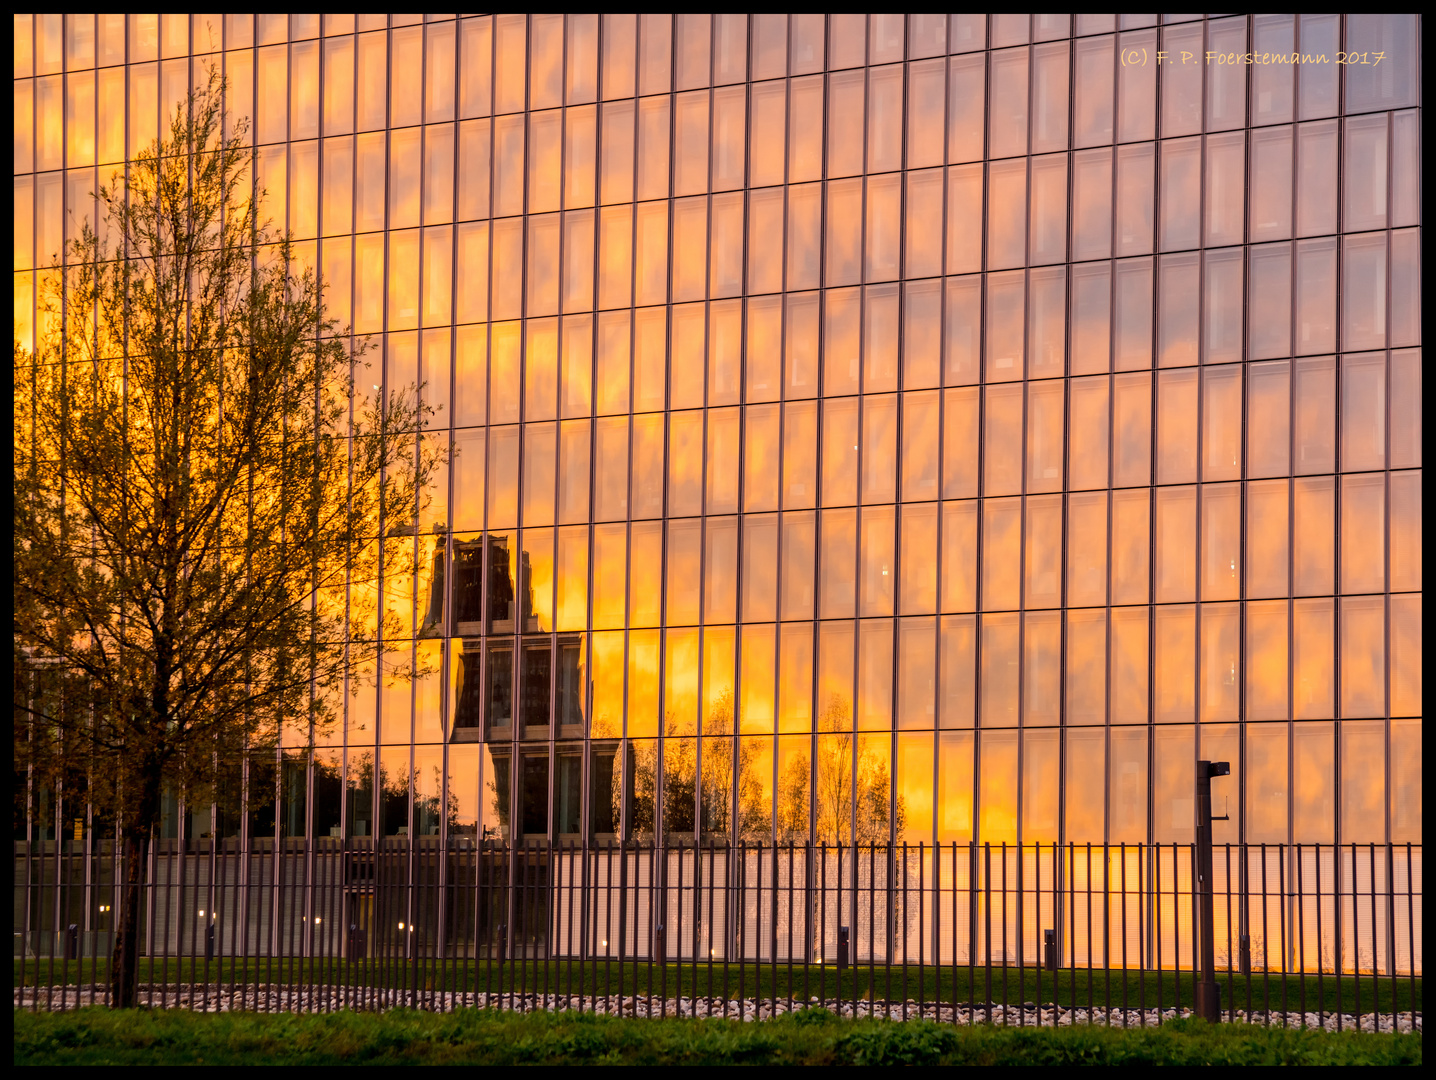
(515, 684)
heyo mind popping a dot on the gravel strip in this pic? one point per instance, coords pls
(264, 998)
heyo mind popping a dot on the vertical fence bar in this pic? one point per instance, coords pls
(655, 920)
(1107, 932)
(1265, 939)
(1244, 899)
(1300, 937)
(873, 932)
(922, 927)
(93, 859)
(987, 930)
(55, 919)
(901, 930)
(1375, 952)
(1087, 914)
(1410, 940)
(1005, 920)
(1157, 936)
(1337, 923)
(1041, 936)
(607, 924)
(791, 920)
(712, 947)
(1320, 960)
(1122, 927)
(738, 904)
(1231, 993)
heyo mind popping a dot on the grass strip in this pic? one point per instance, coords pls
(1098, 988)
(812, 1037)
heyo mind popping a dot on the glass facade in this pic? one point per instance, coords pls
(926, 428)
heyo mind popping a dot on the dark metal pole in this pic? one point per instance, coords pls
(1208, 996)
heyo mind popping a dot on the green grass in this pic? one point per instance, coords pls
(403, 1037)
(1068, 987)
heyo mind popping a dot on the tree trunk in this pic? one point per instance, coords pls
(124, 964)
(135, 836)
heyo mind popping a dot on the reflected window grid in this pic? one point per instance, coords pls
(460, 207)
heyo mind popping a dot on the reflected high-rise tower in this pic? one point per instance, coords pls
(919, 427)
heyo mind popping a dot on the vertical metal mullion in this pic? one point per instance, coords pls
(445, 557)
(859, 506)
(899, 400)
(1338, 548)
(625, 803)
(819, 411)
(559, 411)
(588, 886)
(586, 810)
(521, 576)
(1149, 901)
(1112, 485)
(1389, 942)
(347, 908)
(702, 726)
(940, 631)
(780, 517)
(1244, 501)
(1021, 543)
(979, 616)
(1201, 503)
(557, 388)
(658, 868)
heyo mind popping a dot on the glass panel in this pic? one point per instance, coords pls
(1313, 656)
(916, 671)
(1042, 669)
(957, 653)
(537, 691)
(1086, 769)
(1173, 811)
(1130, 671)
(1086, 667)
(999, 670)
(498, 698)
(795, 679)
(997, 787)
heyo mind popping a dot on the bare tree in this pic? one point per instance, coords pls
(206, 513)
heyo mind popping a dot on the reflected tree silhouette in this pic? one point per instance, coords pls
(848, 778)
(836, 776)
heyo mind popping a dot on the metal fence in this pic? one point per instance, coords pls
(954, 931)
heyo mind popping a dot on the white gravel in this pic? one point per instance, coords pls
(268, 998)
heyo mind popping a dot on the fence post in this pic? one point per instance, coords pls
(1208, 994)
